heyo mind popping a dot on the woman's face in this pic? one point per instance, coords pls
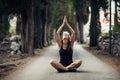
(65, 38)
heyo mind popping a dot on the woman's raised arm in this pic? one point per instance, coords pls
(72, 33)
(58, 39)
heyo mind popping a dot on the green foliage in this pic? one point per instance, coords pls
(40, 3)
(116, 28)
(6, 8)
(12, 30)
(104, 34)
(58, 9)
(103, 4)
(4, 26)
(82, 10)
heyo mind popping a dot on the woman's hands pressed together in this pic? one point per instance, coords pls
(65, 20)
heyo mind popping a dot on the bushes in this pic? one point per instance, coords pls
(116, 28)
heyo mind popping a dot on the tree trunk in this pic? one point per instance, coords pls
(23, 31)
(4, 25)
(48, 36)
(43, 17)
(45, 35)
(93, 24)
(18, 26)
(80, 24)
(41, 35)
(46, 26)
(38, 28)
(30, 28)
(78, 32)
(54, 33)
(116, 16)
(36, 38)
(27, 29)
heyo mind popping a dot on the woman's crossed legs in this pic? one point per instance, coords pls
(58, 65)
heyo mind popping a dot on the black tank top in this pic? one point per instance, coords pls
(66, 55)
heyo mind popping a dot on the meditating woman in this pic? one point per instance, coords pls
(65, 45)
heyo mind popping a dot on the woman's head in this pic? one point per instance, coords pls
(65, 37)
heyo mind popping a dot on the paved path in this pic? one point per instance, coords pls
(91, 69)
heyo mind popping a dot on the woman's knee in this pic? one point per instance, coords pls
(79, 62)
(51, 61)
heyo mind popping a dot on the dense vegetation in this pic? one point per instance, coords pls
(38, 19)
(117, 16)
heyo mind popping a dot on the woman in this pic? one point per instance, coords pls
(65, 44)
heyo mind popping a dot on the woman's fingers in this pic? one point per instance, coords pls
(65, 17)
(64, 20)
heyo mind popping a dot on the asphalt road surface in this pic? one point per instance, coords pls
(91, 69)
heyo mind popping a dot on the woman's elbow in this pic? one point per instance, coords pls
(57, 33)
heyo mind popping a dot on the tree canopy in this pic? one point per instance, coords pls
(39, 18)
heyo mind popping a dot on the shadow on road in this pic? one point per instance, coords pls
(78, 71)
(81, 71)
